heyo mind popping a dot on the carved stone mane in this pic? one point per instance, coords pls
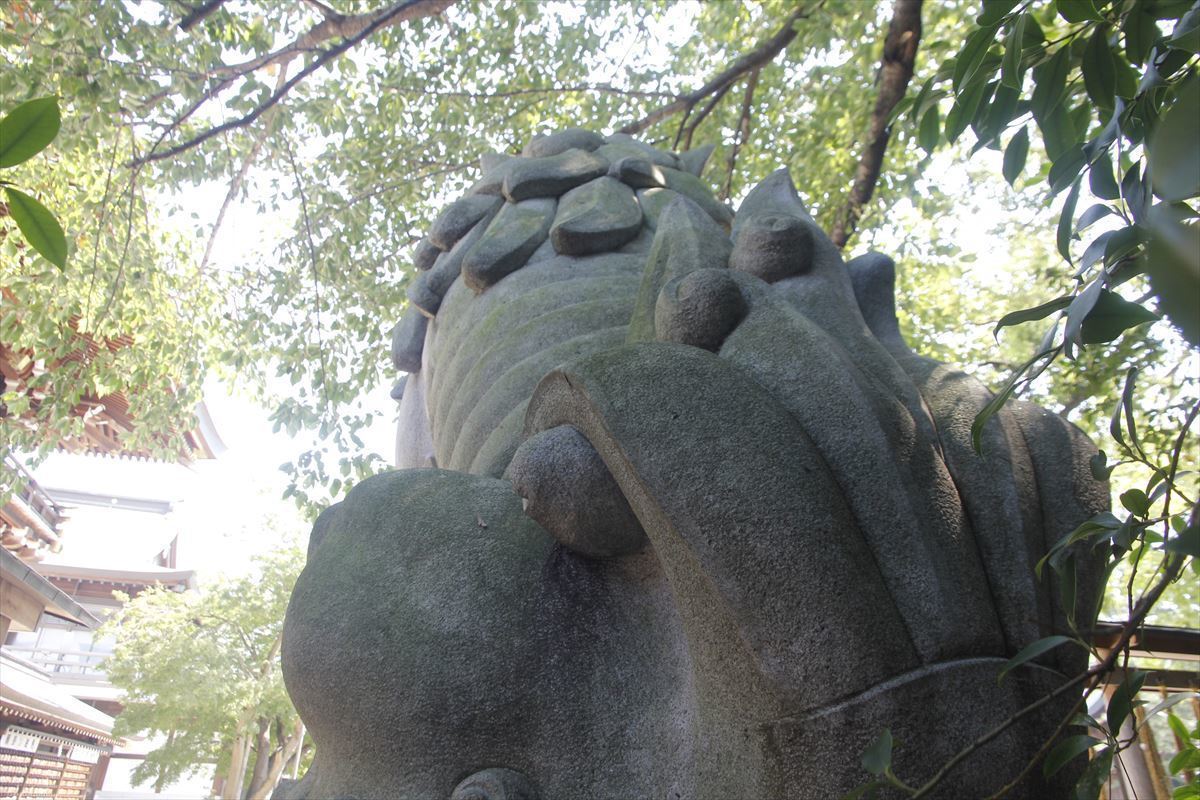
(678, 514)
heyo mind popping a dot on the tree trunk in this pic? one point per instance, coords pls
(262, 752)
(899, 57)
(291, 749)
(232, 789)
(295, 765)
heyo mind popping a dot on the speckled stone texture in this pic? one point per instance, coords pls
(680, 515)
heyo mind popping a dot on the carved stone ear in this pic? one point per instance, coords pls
(693, 160)
(566, 488)
(873, 277)
(700, 309)
(495, 783)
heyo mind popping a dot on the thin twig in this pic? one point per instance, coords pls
(312, 254)
(337, 25)
(199, 13)
(101, 216)
(1046, 745)
(404, 10)
(704, 112)
(580, 88)
(235, 185)
(383, 187)
(682, 126)
(1103, 668)
(763, 54)
(743, 132)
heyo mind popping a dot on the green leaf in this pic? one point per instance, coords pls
(1120, 705)
(1170, 702)
(1114, 425)
(990, 120)
(1140, 33)
(1099, 466)
(1186, 35)
(1015, 154)
(1099, 71)
(877, 758)
(963, 110)
(1186, 543)
(1031, 314)
(1068, 585)
(1047, 103)
(971, 56)
(1176, 725)
(1122, 243)
(1136, 502)
(1127, 76)
(1014, 45)
(1101, 180)
(1111, 316)
(1066, 221)
(994, 11)
(1094, 776)
(923, 99)
(1077, 10)
(1189, 792)
(1032, 651)
(1127, 404)
(927, 136)
(1065, 751)
(1092, 215)
(1100, 523)
(1136, 192)
(1174, 156)
(997, 402)
(1079, 309)
(1186, 759)
(28, 129)
(1171, 262)
(1066, 168)
(38, 226)
(1050, 82)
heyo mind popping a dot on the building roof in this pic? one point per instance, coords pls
(29, 520)
(142, 576)
(107, 420)
(56, 602)
(28, 694)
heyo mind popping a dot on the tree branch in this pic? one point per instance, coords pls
(406, 10)
(338, 26)
(198, 14)
(1096, 673)
(579, 88)
(763, 54)
(899, 56)
(235, 185)
(743, 132)
(704, 112)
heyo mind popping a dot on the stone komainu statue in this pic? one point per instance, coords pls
(698, 523)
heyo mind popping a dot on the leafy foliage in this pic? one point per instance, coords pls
(365, 150)
(1090, 101)
(202, 667)
(1070, 72)
(26, 131)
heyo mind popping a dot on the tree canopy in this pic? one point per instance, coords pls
(202, 669)
(352, 125)
(1030, 163)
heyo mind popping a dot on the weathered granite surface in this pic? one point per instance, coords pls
(679, 515)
